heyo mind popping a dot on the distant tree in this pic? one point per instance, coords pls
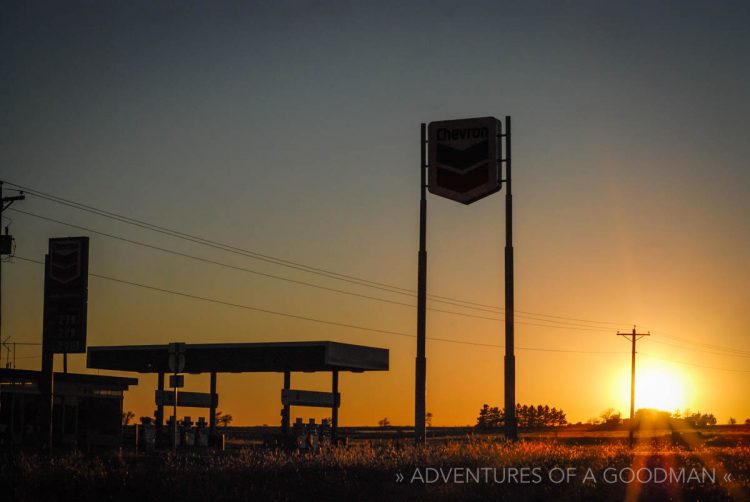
(522, 415)
(482, 420)
(489, 418)
(652, 416)
(606, 414)
(699, 420)
(428, 419)
(531, 417)
(127, 416)
(609, 417)
(559, 417)
(747, 421)
(223, 420)
(384, 422)
(554, 417)
(497, 417)
(732, 421)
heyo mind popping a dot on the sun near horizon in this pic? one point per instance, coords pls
(658, 386)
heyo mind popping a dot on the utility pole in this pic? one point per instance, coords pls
(5, 244)
(633, 337)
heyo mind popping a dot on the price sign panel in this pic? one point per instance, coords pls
(66, 295)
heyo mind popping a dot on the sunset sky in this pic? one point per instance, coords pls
(291, 129)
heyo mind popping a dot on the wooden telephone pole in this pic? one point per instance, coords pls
(6, 245)
(633, 337)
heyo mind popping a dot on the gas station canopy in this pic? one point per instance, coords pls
(242, 357)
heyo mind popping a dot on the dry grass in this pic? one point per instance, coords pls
(367, 472)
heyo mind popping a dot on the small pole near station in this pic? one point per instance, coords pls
(286, 412)
(174, 415)
(160, 407)
(633, 337)
(335, 407)
(212, 409)
(176, 365)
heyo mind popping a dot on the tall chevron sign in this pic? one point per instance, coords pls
(463, 158)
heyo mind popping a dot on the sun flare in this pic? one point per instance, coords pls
(657, 387)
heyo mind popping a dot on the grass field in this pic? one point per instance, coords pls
(451, 468)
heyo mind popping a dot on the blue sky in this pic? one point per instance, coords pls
(292, 128)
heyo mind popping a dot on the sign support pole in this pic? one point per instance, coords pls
(160, 407)
(335, 407)
(421, 362)
(511, 429)
(286, 412)
(46, 393)
(174, 411)
(212, 410)
(46, 383)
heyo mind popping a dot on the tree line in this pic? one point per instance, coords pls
(694, 419)
(527, 417)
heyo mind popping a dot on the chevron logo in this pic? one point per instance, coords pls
(65, 260)
(463, 158)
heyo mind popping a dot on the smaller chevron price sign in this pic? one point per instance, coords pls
(66, 295)
(463, 158)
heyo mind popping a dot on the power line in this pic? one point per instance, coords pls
(311, 319)
(552, 324)
(252, 254)
(288, 263)
(706, 345)
(207, 242)
(692, 364)
(718, 353)
(212, 262)
(562, 322)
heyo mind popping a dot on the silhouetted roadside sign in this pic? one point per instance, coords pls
(66, 295)
(188, 399)
(310, 398)
(176, 382)
(176, 357)
(463, 158)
